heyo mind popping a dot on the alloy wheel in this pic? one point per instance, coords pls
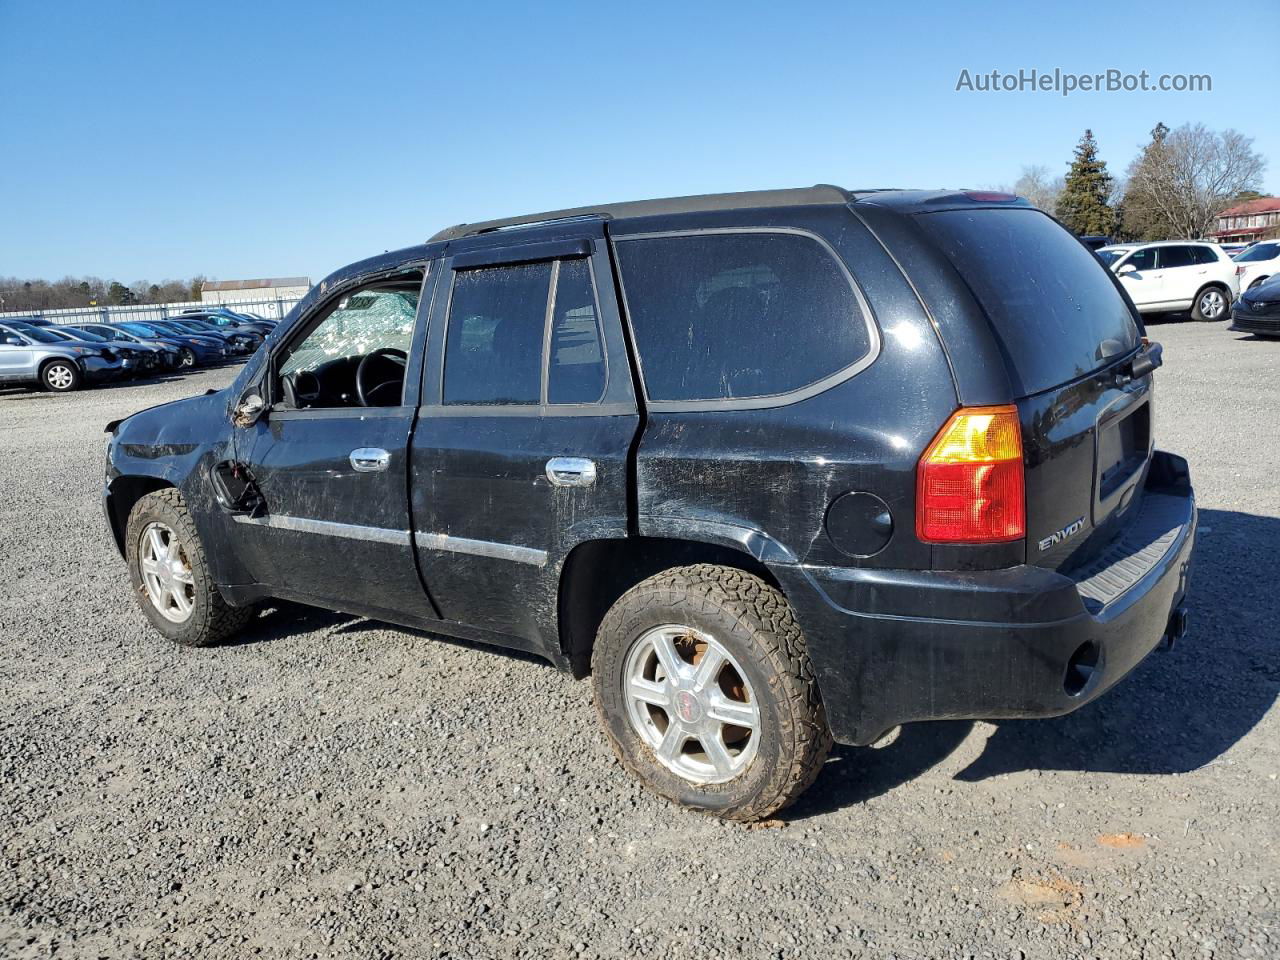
(59, 376)
(689, 700)
(166, 572)
(1212, 303)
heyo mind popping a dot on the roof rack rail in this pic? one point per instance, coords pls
(820, 193)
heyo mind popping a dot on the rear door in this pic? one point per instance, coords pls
(520, 451)
(1066, 334)
(1182, 272)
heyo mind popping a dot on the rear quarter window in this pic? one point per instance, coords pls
(1052, 304)
(735, 316)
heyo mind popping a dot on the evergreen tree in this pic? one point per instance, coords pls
(1082, 205)
(1142, 218)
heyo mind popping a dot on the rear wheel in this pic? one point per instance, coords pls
(170, 574)
(1211, 304)
(705, 690)
(60, 376)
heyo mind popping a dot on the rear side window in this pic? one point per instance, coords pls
(1051, 303)
(493, 351)
(738, 315)
(1204, 255)
(1170, 257)
(576, 366)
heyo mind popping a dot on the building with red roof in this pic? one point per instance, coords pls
(1249, 221)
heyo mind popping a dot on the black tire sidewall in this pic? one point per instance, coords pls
(1196, 313)
(194, 631)
(728, 630)
(52, 364)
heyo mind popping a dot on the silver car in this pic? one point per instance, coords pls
(30, 355)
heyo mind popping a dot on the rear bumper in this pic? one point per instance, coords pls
(893, 646)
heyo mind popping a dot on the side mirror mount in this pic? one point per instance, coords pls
(1149, 358)
(249, 410)
(1126, 269)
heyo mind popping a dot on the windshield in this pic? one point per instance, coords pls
(142, 330)
(1111, 255)
(74, 334)
(1054, 307)
(1259, 251)
(36, 334)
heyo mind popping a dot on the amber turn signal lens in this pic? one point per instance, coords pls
(970, 481)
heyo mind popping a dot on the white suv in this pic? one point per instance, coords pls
(1259, 262)
(1176, 275)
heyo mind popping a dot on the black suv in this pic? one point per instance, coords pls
(772, 467)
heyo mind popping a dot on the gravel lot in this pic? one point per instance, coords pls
(334, 787)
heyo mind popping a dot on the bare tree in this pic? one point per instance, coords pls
(1039, 187)
(1185, 177)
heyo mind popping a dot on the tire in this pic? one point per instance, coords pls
(60, 376)
(209, 619)
(703, 608)
(187, 359)
(1211, 304)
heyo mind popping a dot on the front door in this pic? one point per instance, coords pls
(330, 456)
(528, 415)
(1145, 283)
(16, 356)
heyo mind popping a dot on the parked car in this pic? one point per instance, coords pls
(236, 344)
(138, 358)
(194, 350)
(171, 354)
(225, 319)
(1258, 309)
(1094, 241)
(1231, 249)
(1256, 264)
(29, 354)
(1174, 276)
(815, 464)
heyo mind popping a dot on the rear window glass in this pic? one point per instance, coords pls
(738, 315)
(1050, 301)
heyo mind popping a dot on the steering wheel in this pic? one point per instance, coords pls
(387, 357)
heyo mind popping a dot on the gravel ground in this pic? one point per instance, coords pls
(334, 787)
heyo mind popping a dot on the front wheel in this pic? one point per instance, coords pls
(60, 376)
(1211, 304)
(170, 574)
(187, 358)
(705, 690)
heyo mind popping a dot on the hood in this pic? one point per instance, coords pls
(1268, 292)
(171, 422)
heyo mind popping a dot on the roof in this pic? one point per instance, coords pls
(1241, 231)
(1156, 243)
(821, 193)
(1261, 205)
(266, 283)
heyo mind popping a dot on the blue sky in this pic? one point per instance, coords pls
(146, 140)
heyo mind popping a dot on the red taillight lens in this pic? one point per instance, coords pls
(969, 482)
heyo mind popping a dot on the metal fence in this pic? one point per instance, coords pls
(273, 309)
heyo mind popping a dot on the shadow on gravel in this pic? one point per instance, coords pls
(283, 618)
(1177, 712)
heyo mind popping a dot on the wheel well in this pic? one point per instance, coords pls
(125, 492)
(598, 572)
(48, 360)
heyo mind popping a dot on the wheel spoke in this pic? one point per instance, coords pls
(669, 749)
(180, 600)
(734, 712)
(717, 753)
(159, 549)
(150, 566)
(708, 668)
(649, 691)
(667, 656)
(185, 577)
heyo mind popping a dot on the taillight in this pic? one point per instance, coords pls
(969, 482)
(1240, 270)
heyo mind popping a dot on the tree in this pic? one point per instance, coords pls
(119, 294)
(197, 286)
(1038, 187)
(1185, 177)
(1082, 205)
